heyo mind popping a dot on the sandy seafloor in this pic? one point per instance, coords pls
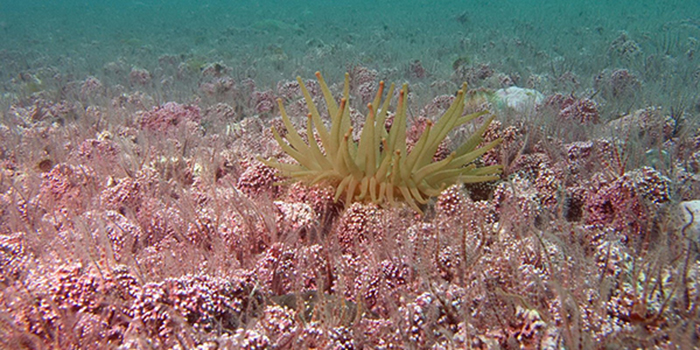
(135, 212)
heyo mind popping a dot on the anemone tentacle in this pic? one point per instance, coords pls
(379, 168)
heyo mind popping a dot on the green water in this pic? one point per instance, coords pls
(271, 40)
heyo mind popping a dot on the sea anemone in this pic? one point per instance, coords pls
(378, 168)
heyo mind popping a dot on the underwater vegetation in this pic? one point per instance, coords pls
(164, 224)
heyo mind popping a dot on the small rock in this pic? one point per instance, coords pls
(518, 99)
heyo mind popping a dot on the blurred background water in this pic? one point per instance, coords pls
(271, 40)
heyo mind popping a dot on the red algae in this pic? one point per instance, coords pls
(139, 217)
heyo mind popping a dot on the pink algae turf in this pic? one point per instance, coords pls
(130, 222)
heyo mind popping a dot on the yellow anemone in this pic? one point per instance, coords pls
(378, 168)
